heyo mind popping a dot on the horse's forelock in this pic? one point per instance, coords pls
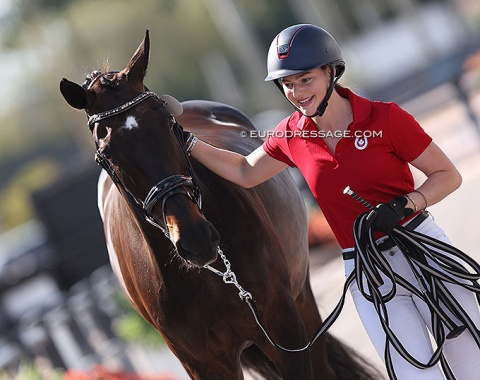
(106, 66)
(90, 78)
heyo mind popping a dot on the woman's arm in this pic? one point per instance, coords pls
(442, 177)
(246, 171)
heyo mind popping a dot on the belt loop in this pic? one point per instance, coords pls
(348, 254)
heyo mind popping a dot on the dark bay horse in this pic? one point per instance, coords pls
(159, 238)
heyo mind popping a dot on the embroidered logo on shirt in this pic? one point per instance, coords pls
(361, 142)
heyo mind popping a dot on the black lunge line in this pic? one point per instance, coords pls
(416, 248)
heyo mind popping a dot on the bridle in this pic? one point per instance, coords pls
(172, 185)
(163, 190)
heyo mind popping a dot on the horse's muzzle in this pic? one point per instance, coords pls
(199, 245)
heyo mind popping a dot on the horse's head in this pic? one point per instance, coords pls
(140, 145)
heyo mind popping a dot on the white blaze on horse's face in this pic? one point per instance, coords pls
(130, 123)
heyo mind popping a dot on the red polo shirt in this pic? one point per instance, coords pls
(371, 157)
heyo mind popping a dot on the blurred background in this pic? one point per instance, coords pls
(61, 315)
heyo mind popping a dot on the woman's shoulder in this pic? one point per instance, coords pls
(391, 110)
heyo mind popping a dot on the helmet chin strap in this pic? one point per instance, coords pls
(323, 105)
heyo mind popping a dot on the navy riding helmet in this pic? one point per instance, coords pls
(304, 47)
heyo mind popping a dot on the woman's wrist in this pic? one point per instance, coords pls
(424, 199)
(416, 201)
(411, 202)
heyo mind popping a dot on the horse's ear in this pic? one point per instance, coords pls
(74, 94)
(137, 67)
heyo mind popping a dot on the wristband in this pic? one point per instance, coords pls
(191, 141)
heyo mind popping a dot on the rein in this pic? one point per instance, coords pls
(164, 189)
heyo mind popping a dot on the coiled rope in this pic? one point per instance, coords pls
(418, 249)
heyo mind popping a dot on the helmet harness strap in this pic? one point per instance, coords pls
(323, 105)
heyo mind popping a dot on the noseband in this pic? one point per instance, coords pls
(163, 190)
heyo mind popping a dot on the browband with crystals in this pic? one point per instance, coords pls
(103, 115)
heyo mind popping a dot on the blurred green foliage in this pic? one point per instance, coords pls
(31, 371)
(133, 328)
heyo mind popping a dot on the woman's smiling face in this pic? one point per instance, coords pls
(307, 89)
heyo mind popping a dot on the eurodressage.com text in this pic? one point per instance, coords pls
(313, 134)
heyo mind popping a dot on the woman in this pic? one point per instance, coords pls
(338, 139)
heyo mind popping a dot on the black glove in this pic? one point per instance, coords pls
(387, 215)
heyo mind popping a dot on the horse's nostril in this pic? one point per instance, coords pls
(199, 245)
(215, 236)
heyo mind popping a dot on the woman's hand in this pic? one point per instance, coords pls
(387, 215)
